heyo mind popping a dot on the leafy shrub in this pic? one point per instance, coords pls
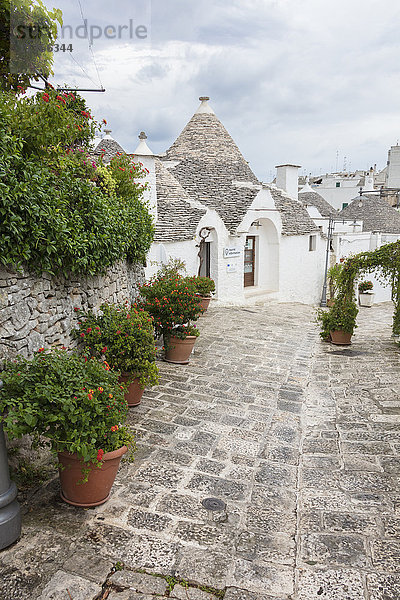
(204, 286)
(175, 267)
(334, 277)
(55, 213)
(173, 303)
(75, 402)
(340, 317)
(124, 336)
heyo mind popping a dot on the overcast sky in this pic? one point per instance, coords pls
(291, 81)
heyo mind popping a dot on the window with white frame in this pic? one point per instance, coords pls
(312, 243)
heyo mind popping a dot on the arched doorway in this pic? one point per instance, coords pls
(261, 256)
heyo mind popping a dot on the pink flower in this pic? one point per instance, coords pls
(100, 454)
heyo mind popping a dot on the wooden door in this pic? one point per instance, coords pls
(205, 261)
(249, 260)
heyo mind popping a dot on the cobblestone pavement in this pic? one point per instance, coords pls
(299, 438)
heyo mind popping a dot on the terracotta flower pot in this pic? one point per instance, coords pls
(205, 302)
(96, 490)
(134, 394)
(341, 338)
(178, 351)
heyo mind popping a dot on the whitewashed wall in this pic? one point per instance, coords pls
(301, 270)
(337, 196)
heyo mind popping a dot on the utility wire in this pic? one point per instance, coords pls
(90, 43)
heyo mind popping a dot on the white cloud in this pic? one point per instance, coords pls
(289, 80)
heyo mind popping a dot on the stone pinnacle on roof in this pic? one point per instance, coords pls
(143, 149)
(204, 106)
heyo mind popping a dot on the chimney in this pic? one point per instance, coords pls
(369, 181)
(287, 179)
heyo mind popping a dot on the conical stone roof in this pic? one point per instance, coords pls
(207, 162)
(108, 147)
(309, 197)
(375, 213)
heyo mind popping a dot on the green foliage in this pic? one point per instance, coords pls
(173, 303)
(172, 581)
(124, 336)
(27, 474)
(49, 123)
(105, 180)
(55, 213)
(173, 268)
(365, 286)
(385, 263)
(340, 317)
(30, 53)
(76, 403)
(333, 277)
(204, 286)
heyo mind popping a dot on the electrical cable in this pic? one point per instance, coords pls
(90, 44)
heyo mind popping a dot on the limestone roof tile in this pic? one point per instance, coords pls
(314, 199)
(109, 147)
(295, 218)
(177, 218)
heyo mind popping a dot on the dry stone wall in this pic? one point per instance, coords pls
(39, 312)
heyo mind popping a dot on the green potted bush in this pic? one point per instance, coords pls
(76, 405)
(124, 336)
(204, 286)
(338, 323)
(365, 293)
(174, 305)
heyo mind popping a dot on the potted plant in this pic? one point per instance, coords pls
(75, 405)
(339, 322)
(203, 286)
(173, 303)
(365, 294)
(124, 336)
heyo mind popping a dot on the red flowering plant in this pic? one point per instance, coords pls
(365, 287)
(174, 305)
(204, 286)
(71, 403)
(124, 336)
(50, 122)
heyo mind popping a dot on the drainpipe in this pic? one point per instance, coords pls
(10, 512)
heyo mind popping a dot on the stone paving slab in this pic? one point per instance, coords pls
(301, 441)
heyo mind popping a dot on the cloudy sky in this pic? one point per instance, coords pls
(308, 82)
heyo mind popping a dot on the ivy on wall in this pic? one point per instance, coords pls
(57, 214)
(385, 263)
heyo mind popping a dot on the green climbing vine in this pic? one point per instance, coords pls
(385, 263)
